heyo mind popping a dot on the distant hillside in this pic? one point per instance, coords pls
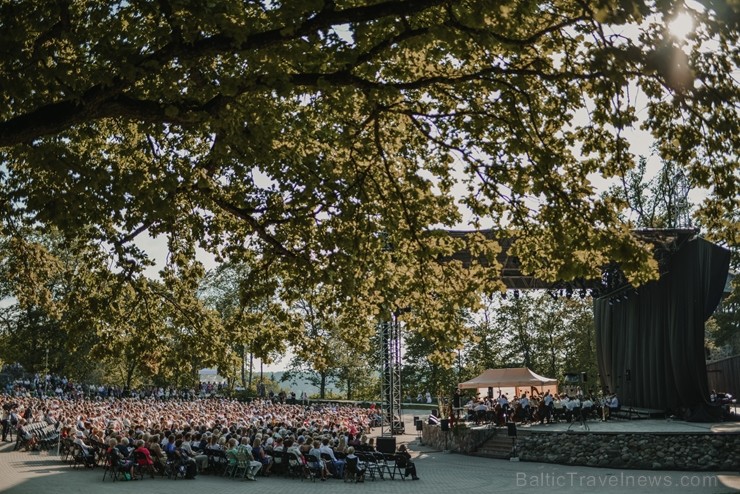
(299, 385)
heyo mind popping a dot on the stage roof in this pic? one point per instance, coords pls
(665, 241)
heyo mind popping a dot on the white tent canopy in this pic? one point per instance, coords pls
(517, 377)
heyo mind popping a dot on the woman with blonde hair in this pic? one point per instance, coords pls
(158, 456)
(258, 451)
(342, 446)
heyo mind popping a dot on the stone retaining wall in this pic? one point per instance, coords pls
(666, 451)
(710, 451)
(459, 439)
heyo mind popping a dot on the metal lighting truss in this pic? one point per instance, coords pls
(389, 333)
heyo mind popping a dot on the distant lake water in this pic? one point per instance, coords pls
(299, 384)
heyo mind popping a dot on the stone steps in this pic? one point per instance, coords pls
(498, 446)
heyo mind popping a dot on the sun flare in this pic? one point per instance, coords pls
(681, 25)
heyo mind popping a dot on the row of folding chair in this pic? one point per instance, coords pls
(47, 435)
(382, 465)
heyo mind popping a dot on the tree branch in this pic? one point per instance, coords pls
(256, 226)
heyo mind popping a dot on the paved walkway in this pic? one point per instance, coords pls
(35, 473)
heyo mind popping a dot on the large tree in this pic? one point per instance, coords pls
(73, 315)
(333, 137)
(252, 317)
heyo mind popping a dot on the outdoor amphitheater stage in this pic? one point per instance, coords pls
(649, 444)
(624, 426)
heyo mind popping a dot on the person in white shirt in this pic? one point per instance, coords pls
(557, 408)
(88, 454)
(548, 401)
(201, 460)
(570, 406)
(524, 403)
(586, 407)
(613, 404)
(480, 412)
(337, 464)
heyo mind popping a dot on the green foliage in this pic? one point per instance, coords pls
(88, 316)
(323, 144)
(551, 337)
(723, 328)
(244, 296)
(659, 202)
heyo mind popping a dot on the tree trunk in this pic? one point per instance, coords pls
(251, 368)
(130, 369)
(552, 354)
(322, 388)
(244, 363)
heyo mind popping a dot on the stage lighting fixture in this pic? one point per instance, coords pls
(554, 295)
(569, 292)
(611, 301)
(516, 293)
(582, 293)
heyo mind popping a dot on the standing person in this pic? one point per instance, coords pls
(6, 420)
(405, 457)
(524, 403)
(428, 397)
(457, 402)
(548, 401)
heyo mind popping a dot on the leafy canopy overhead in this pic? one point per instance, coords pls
(332, 138)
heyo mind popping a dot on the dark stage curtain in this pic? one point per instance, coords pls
(650, 348)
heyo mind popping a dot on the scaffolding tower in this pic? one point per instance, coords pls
(389, 333)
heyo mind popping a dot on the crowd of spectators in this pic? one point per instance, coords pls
(189, 426)
(60, 387)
